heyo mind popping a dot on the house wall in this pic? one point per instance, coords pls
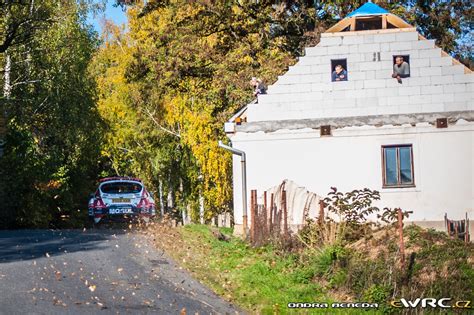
(437, 82)
(351, 159)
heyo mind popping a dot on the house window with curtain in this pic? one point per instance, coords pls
(397, 163)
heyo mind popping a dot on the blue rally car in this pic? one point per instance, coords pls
(121, 199)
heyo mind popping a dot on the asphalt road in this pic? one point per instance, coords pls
(96, 272)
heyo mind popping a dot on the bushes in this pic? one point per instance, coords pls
(362, 259)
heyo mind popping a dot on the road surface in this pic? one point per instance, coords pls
(96, 272)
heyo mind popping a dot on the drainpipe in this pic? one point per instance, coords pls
(244, 181)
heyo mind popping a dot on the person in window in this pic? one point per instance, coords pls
(401, 69)
(258, 86)
(339, 74)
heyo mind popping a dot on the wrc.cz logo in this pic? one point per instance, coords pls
(434, 303)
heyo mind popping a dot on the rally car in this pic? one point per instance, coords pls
(121, 199)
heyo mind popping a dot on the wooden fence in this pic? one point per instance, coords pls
(267, 220)
(458, 228)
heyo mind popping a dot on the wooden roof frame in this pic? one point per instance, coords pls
(351, 21)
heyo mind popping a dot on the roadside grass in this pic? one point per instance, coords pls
(259, 280)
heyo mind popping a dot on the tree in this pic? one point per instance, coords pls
(51, 153)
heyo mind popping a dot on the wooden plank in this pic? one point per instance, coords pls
(271, 213)
(253, 210)
(265, 223)
(353, 24)
(339, 26)
(384, 21)
(400, 231)
(285, 213)
(398, 22)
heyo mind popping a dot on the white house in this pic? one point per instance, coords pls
(412, 141)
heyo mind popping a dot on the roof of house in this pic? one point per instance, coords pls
(368, 9)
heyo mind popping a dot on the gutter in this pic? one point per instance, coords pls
(244, 181)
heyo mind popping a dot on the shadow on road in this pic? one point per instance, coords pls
(32, 244)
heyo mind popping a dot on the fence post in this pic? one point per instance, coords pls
(271, 213)
(265, 223)
(400, 230)
(252, 215)
(285, 212)
(466, 231)
(321, 212)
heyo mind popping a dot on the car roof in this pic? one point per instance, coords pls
(119, 178)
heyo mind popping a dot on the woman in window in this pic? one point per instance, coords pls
(339, 74)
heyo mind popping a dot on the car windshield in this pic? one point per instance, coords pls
(121, 188)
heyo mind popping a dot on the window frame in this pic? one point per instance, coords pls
(399, 183)
(334, 63)
(406, 58)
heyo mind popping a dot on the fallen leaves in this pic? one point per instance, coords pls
(58, 275)
(59, 302)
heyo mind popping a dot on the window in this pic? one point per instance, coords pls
(402, 66)
(121, 188)
(369, 23)
(397, 163)
(338, 70)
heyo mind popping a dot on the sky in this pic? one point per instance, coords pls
(116, 14)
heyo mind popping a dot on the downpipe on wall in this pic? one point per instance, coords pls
(244, 182)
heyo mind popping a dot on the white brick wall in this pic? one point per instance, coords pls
(406, 36)
(400, 46)
(443, 79)
(417, 81)
(419, 63)
(306, 90)
(443, 61)
(414, 90)
(463, 78)
(352, 40)
(374, 84)
(332, 50)
(454, 88)
(385, 38)
(423, 44)
(431, 89)
(316, 51)
(369, 48)
(454, 69)
(330, 41)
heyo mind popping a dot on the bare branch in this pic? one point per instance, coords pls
(146, 111)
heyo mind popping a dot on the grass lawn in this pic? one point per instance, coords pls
(256, 279)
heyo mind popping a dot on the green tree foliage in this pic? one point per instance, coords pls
(51, 153)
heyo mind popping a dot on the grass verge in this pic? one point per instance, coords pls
(264, 280)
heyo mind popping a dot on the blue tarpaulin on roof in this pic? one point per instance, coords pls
(368, 9)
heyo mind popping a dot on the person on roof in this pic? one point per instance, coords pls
(258, 86)
(401, 69)
(339, 74)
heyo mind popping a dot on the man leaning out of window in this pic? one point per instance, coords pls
(401, 69)
(339, 74)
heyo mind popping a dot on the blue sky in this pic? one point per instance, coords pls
(115, 14)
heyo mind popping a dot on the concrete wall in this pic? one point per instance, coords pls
(351, 159)
(436, 84)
